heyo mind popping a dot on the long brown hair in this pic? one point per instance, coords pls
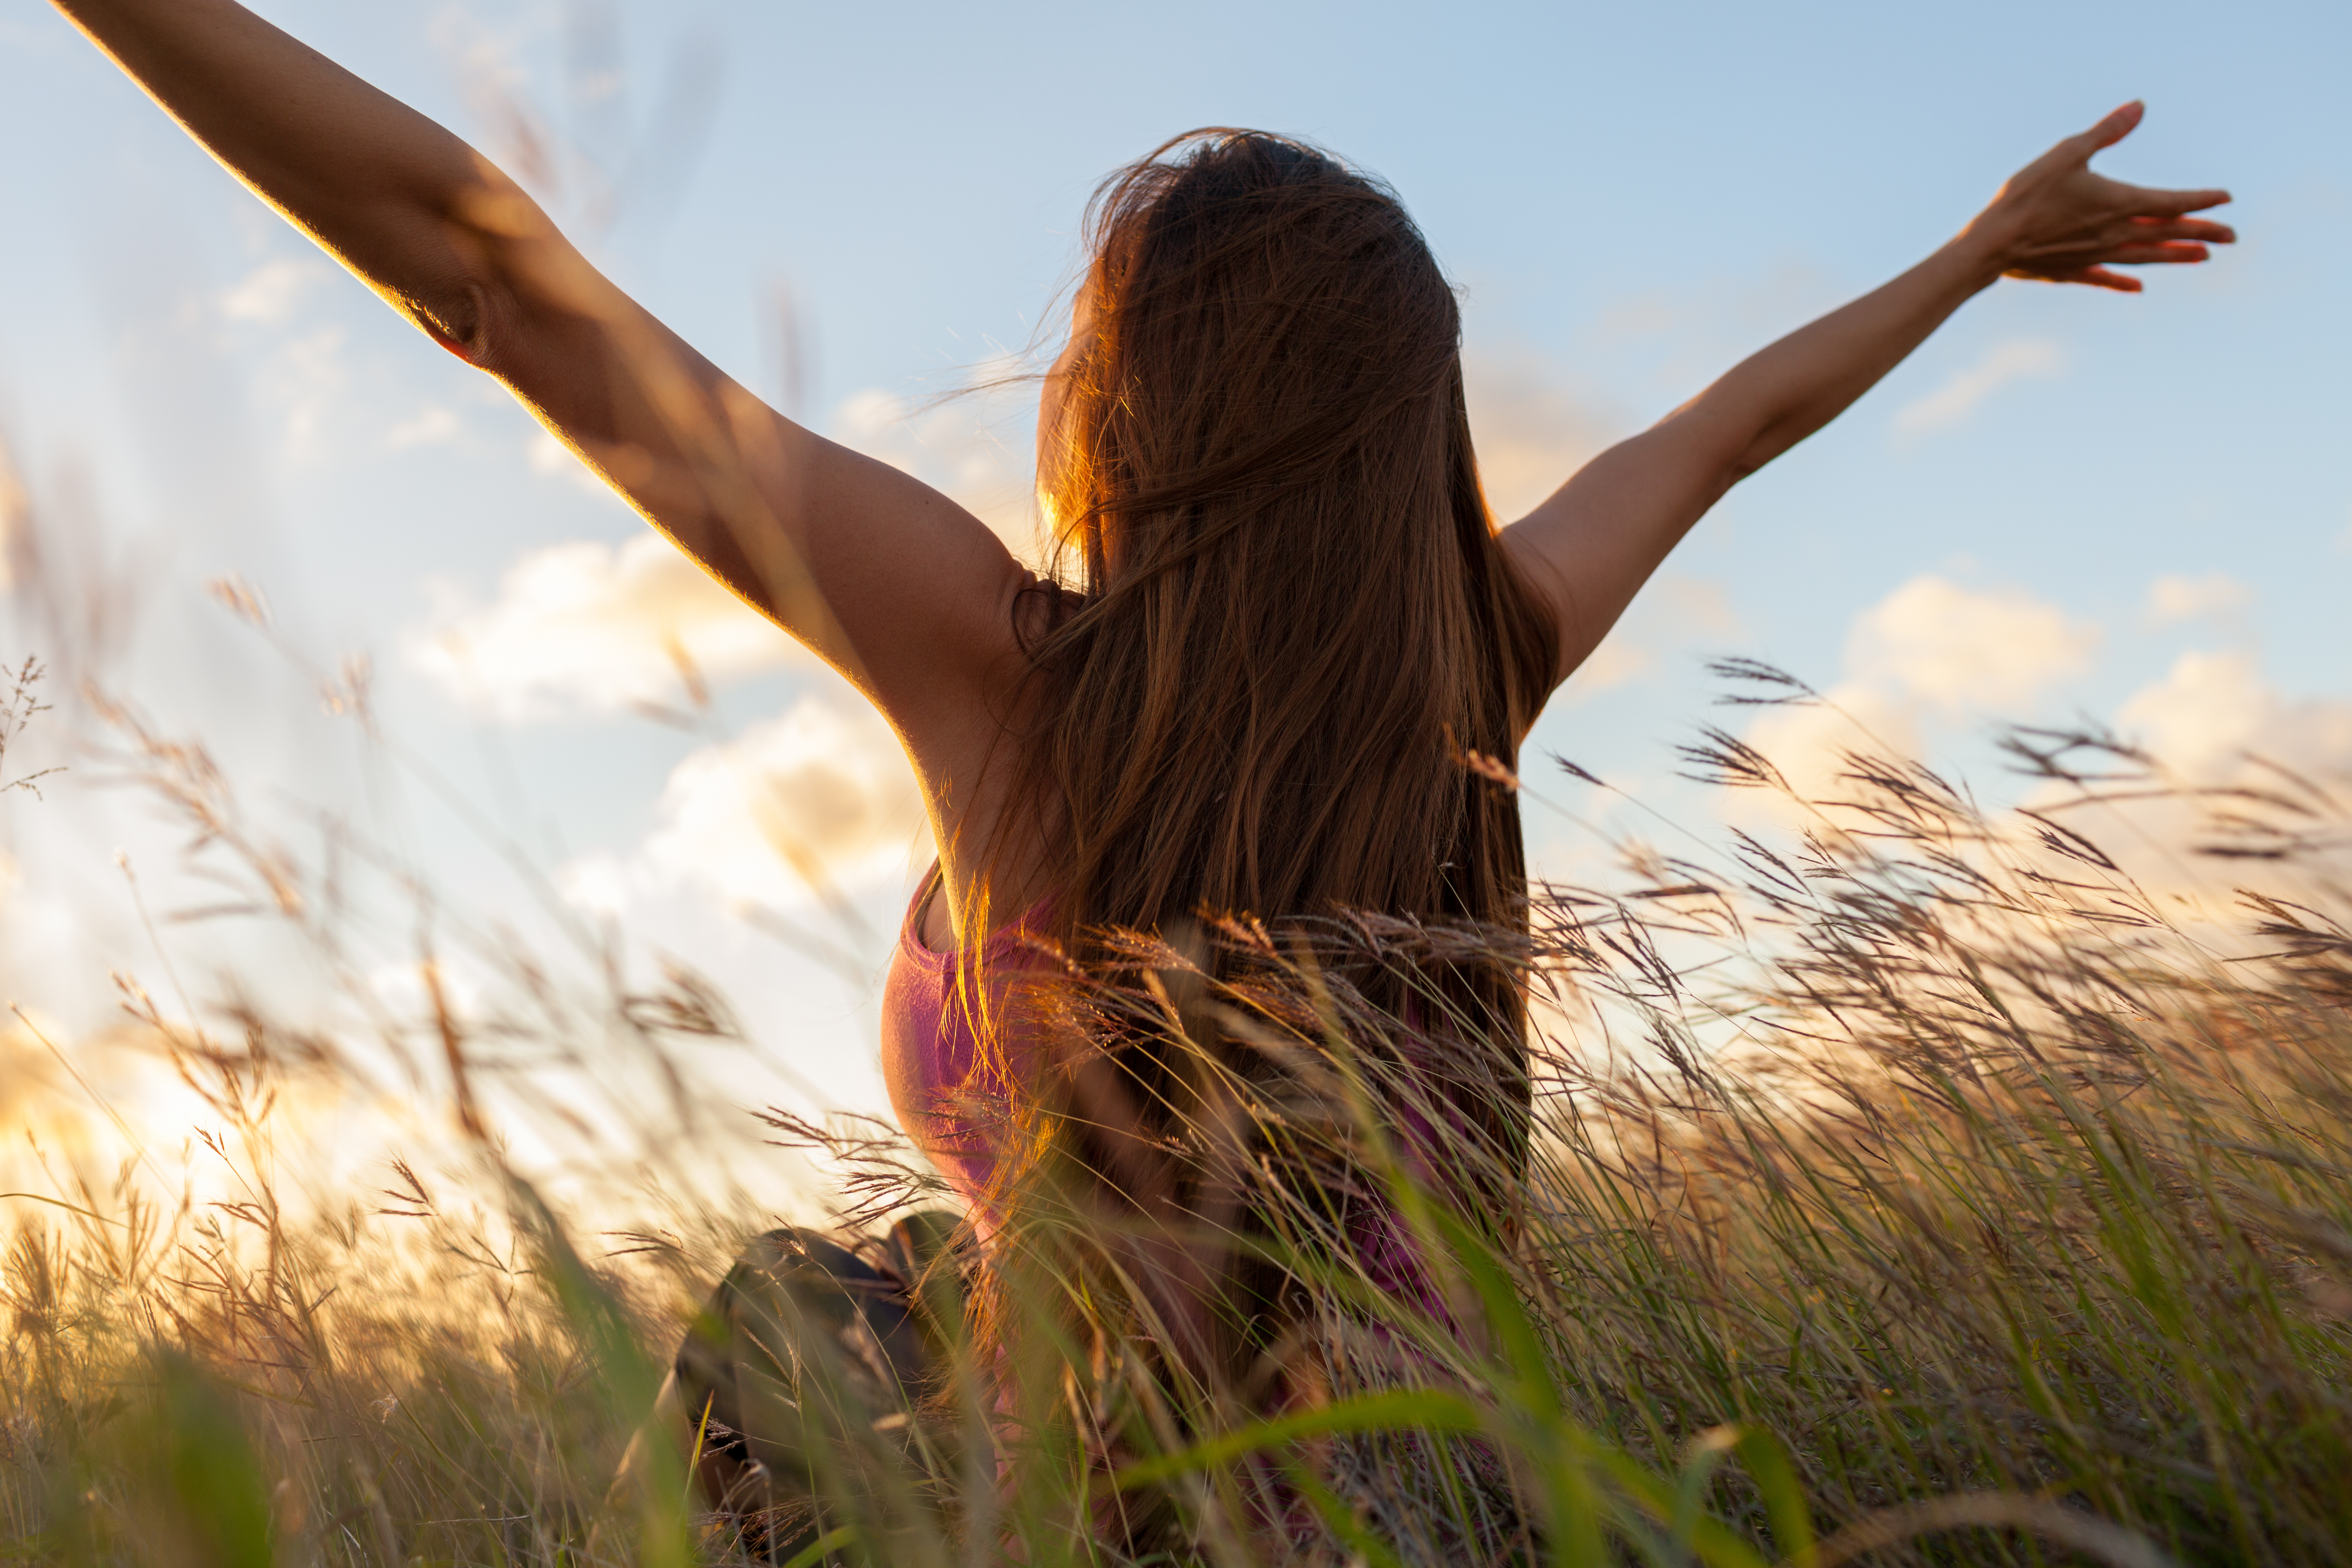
(1291, 616)
(1283, 617)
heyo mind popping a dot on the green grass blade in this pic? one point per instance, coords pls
(1414, 1409)
(1784, 1495)
(628, 1379)
(210, 1470)
(816, 1551)
(1708, 1539)
(1342, 1522)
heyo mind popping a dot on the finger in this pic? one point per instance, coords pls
(2114, 128)
(2100, 278)
(2160, 255)
(2077, 150)
(2184, 228)
(2095, 277)
(2173, 204)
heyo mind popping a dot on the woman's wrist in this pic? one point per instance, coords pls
(1987, 248)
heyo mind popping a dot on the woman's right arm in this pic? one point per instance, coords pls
(903, 590)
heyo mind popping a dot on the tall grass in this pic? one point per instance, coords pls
(1915, 1189)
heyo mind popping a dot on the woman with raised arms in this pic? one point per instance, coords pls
(1286, 646)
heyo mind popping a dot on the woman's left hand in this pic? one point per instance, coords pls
(2058, 222)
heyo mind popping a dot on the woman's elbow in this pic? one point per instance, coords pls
(497, 251)
(1747, 460)
(462, 317)
(1773, 441)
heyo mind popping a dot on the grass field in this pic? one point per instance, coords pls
(1921, 1189)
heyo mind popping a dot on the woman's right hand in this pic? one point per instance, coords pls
(2058, 222)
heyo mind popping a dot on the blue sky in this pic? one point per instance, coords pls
(2131, 508)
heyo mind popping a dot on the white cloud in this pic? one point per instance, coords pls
(1935, 649)
(821, 795)
(586, 627)
(428, 426)
(1672, 613)
(1953, 402)
(31, 1072)
(552, 459)
(2215, 596)
(2214, 723)
(2213, 712)
(979, 449)
(1931, 647)
(302, 377)
(1619, 658)
(1531, 433)
(1955, 648)
(15, 515)
(272, 291)
(1809, 742)
(2200, 717)
(305, 367)
(1683, 339)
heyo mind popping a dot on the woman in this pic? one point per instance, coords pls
(1289, 646)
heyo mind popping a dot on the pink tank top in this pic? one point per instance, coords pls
(947, 1096)
(950, 1100)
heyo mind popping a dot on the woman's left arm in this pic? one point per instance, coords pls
(1597, 539)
